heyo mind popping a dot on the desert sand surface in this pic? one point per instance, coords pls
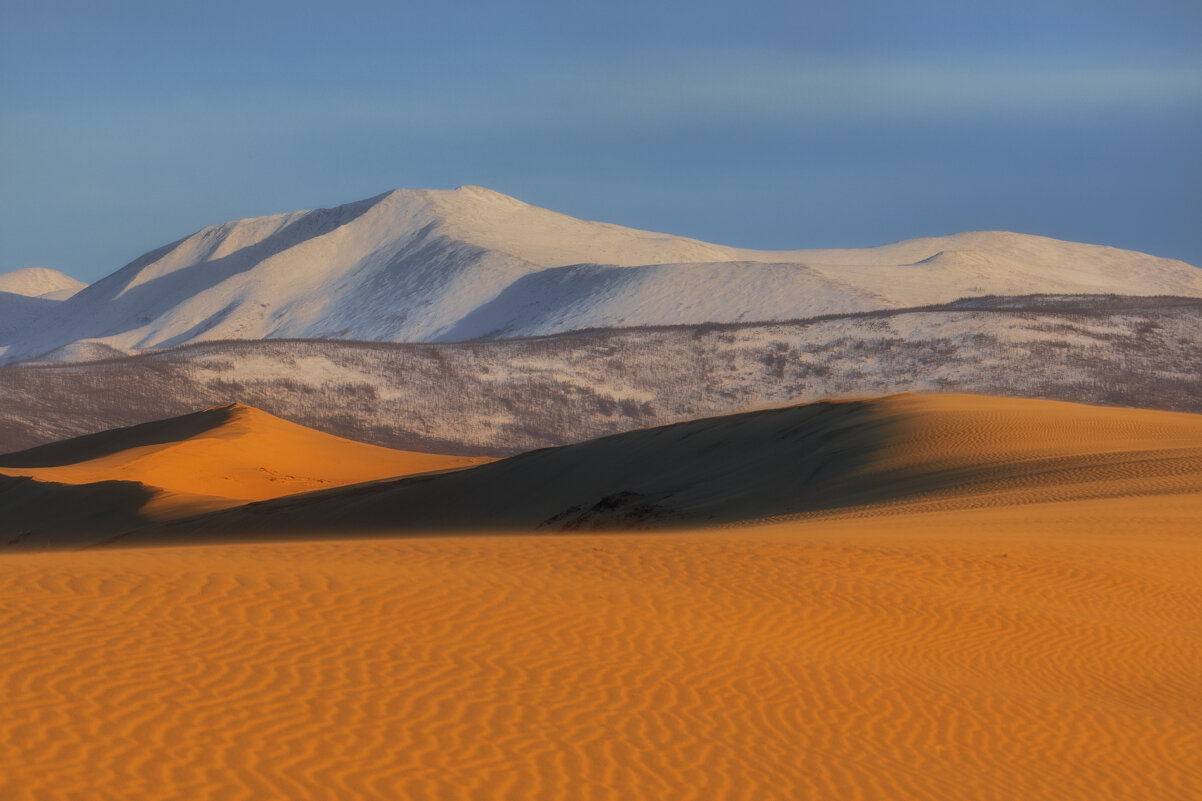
(1028, 626)
(1038, 651)
(220, 457)
(840, 457)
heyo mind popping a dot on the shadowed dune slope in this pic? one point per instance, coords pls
(1044, 652)
(215, 458)
(77, 514)
(949, 451)
(119, 440)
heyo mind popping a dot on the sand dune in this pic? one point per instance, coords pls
(1043, 651)
(216, 458)
(847, 457)
(980, 598)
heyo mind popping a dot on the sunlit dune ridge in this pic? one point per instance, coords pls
(216, 458)
(232, 451)
(1043, 651)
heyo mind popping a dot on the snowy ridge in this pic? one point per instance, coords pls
(424, 266)
(40, 282)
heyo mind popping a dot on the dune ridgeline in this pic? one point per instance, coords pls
(234, 472)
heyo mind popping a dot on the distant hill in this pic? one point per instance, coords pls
(426, 266)
(40, 282)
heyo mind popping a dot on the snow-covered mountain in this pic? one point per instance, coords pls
(425, 266)
(40, 282)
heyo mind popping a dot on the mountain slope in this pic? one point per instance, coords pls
(416, 265)
(21, 317)
(504, 396)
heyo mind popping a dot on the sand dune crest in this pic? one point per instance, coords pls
(220, 457)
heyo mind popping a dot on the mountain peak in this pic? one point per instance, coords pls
(484, 193)
(40, 282)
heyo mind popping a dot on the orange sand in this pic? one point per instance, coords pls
(1041, 652)
(1018, 650)
(236, 453)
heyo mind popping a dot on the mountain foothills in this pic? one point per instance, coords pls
(434, 266)
(505, 396)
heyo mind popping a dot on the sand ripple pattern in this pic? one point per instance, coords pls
(794, 661)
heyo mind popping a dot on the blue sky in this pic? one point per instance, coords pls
(126, 125)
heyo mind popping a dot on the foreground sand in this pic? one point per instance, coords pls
(1039, 651)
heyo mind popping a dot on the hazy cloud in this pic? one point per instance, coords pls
(793, 87)
(726, 87)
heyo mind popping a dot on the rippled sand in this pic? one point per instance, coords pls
(1040, 651)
